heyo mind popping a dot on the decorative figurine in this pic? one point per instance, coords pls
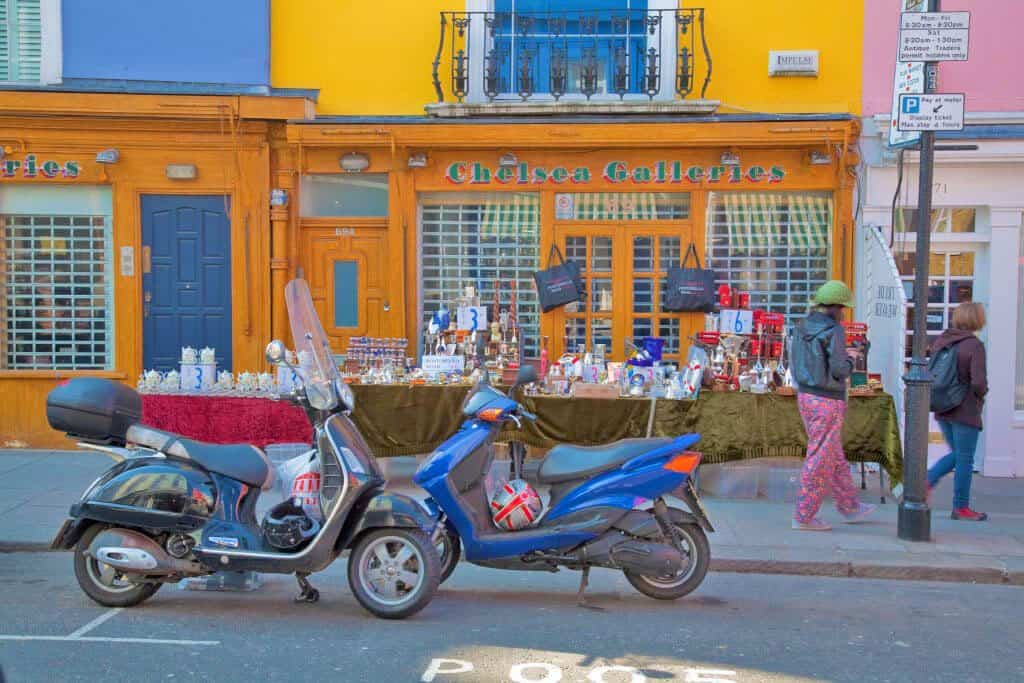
(207, 356)
(188, 355)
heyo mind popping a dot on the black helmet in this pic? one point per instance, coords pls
(287, 526)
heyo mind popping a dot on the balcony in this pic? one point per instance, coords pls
(599, 61)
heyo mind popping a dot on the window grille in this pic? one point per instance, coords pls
(55, 272)
(475, 239)
(775, 246)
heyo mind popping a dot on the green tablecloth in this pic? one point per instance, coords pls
(408, 420)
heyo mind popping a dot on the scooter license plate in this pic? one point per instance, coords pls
(694, 499)
(54, 544)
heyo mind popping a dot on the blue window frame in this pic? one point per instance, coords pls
(532, 36)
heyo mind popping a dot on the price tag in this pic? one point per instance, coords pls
(736, 321)
(471, 318)
(434, 365)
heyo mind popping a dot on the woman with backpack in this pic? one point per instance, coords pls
(821, 363)
(960, 424)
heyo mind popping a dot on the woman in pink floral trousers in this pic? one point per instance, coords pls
(821, 363)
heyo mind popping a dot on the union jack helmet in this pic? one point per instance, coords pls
(515, 505)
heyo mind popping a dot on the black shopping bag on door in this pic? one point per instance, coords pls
(558, 284)
(690, 289)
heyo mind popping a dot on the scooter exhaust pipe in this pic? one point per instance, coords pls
(650, 559)
(133, 552)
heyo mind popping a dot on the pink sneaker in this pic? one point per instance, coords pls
(858, 515)
(813, 525)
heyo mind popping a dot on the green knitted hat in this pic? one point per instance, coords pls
(833, 293)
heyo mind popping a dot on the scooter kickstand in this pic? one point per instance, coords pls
(306, 591)
(581, 599)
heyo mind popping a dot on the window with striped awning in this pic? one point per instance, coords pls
(776, 246)
(21, 41)
(613, 206)
(477, 238)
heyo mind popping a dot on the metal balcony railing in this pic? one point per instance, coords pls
(486, 56)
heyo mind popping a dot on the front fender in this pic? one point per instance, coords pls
(390, 510)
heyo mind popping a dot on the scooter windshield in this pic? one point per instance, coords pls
(316, 362)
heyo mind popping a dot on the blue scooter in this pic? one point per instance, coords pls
(599, 513)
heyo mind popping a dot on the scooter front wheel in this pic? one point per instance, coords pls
(103, 583)
(394, 573)
(698, 552)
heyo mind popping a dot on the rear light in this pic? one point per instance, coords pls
(490, 414)
(685, 462)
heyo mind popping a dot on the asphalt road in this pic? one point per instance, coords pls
(505, 626)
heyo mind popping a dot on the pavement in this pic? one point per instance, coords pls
(752, 536)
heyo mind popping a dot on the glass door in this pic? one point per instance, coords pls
(591, 321)
(624, 269)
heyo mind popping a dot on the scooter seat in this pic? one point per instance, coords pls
(242, 462)
(566, 462)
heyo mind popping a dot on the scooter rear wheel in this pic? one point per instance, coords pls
(103, 583)
(691, 576)
(394, 573)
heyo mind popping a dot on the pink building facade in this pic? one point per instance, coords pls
(978, 200)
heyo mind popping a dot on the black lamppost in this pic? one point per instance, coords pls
(915, 517)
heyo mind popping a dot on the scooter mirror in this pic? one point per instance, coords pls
(275, 352)
(527, 375)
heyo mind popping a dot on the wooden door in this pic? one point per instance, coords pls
(347, 271)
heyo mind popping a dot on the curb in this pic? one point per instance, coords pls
(986, 575)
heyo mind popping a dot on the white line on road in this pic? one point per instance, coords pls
(97, 639)
(94, 623)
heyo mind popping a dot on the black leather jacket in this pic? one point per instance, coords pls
(820, 364)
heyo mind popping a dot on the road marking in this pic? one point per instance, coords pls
(94, 623)
(78, 636)
(97, 639)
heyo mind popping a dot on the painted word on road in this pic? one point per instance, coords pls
(444, 670)
(943, 111)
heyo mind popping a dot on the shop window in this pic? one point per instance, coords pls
(945, 220)
(346, 294)
(535, 40)
(950, 283)
(481, 239)
(775, 246)
(56, 273)
(614, 206)
(353, 195)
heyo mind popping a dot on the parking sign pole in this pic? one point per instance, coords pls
(915, 517)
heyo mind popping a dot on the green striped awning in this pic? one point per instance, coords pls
(810, 218)
(613, 206)
(515, 216)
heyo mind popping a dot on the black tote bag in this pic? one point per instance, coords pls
(690, 289)
(558, 284)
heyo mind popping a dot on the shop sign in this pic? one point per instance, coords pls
(31, 167)
(434, 365)
(614, 172)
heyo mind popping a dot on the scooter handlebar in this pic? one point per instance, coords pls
(527, 414)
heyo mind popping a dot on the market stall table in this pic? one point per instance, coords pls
(227, 419)
(410, 420)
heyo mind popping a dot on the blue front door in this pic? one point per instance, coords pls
(186, 278)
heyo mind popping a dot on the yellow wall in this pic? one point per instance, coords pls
(741, 32)
(366, 57)
(373, 58)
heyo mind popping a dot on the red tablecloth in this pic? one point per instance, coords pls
(224, 419)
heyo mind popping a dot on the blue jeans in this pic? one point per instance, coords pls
(962, 441)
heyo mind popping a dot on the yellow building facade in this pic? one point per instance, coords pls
(467, 111)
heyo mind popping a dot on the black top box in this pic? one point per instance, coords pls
(93, 409)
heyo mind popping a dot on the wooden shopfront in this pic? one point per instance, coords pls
(439, 206)
(132, 224)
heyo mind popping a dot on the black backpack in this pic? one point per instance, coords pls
(948, 390)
